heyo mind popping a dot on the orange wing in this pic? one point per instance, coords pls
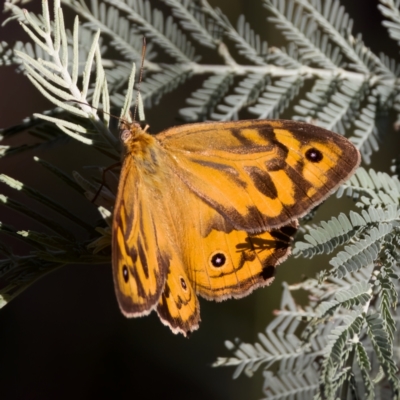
(211, 258)
(232, 265)
(260, 174)
(148, 270)
(139, 265)
(178, 306)
(220, 261)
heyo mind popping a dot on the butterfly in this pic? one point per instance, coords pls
(211, 209)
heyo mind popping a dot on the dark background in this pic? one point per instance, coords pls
(65, 337)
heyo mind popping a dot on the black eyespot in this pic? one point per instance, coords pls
(125, 135)
(125, 273)
(218, 260)
(183, 284)
(313, 155)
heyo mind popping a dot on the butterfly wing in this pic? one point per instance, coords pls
(178, 306)
(222, 262)
(211, 258)
(139, 264)
(148, 271)
(232, 265)
(260, 174)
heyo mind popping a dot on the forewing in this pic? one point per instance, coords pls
(139, 264)
(260, 174)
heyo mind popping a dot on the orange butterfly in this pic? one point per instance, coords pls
(211, 208)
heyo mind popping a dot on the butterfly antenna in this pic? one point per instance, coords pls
(140, 77)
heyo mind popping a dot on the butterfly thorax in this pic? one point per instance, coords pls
(141, 146)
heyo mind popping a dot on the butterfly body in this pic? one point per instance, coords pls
(211, 209)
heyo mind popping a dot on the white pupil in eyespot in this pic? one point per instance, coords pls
(218, 259)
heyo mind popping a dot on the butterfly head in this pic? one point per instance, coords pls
(129, 130)
(135, 139)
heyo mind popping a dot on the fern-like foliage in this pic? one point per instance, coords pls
(359, 294)
(363, 306)
(345, 342)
